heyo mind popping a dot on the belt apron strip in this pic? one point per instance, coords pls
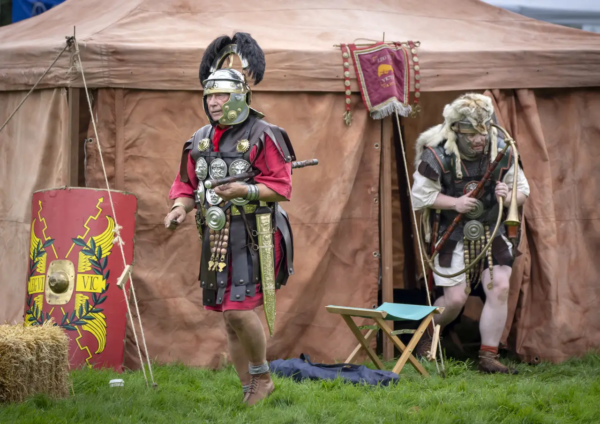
(208, 280)
(239, 253)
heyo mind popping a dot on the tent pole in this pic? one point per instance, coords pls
(120, 140)
(385, 194)
(74, 144)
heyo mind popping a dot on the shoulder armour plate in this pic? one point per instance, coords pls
(281, 139)
(442, 157)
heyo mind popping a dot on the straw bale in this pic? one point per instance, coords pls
(33, 359)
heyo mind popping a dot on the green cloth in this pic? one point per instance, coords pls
(398, 311)
(404, 312)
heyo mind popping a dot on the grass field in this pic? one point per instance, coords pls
(546, 393)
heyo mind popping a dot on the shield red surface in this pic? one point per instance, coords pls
(74, 267)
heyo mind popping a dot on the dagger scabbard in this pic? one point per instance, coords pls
(264, 226)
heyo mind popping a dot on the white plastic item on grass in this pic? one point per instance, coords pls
(118, 382)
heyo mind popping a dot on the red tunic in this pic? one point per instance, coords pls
(275, 174)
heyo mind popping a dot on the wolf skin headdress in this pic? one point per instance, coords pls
(469, 110)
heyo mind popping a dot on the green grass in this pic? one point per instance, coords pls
(546, 393)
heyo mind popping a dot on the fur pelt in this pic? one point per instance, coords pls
(476, 108)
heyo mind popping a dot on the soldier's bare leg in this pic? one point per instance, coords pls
(495, 310)
(251, 334)
(238, 354)
(493, 319)
(453, 300)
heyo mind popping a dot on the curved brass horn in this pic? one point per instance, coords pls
(512, 219)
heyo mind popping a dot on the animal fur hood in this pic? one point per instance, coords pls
(476, 108)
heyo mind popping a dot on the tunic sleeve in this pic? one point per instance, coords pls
(181, 189)
(522, 183)
(424, 191)
(275, 172)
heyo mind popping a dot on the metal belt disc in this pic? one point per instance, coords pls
(477, 210)
(215, 218)
(473, 230)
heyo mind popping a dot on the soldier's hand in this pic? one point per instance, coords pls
(464, 204)
(175, 217)
(232, 191)
(501, 190)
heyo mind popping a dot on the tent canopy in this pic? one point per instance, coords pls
(153, 44)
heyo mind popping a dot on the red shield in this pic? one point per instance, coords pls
(74, 266)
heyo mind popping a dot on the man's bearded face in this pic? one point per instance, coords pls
(472, 145)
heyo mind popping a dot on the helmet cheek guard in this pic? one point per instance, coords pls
(229, 81)
(235, 111)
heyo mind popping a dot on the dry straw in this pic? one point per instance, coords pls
(33, 360)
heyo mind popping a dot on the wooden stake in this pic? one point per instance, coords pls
(385, 196)
(74, 144)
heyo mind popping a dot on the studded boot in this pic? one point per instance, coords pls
(489, 363)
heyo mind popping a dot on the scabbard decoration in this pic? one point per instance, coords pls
(264, 227)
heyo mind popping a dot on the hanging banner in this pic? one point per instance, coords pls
(383, 71)
(74, 267)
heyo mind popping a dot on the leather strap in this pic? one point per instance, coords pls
(222, 280)
(214, 155)
(254, 257)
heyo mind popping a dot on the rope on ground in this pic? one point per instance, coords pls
(414, 215)
(118, 240)
(67, 45)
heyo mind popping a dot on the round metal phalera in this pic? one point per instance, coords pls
(243, 146)
(200, 194)
(215, 218)
(203, 144)
(201, 169)
(477, 210)
(238, 166)
(212, 197)
(217, 169)
(473, 230)
(58, 282)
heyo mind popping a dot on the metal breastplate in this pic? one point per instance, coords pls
(241, 261)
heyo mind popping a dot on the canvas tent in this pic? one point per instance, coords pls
(141, 59)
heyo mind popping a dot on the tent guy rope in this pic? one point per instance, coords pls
(117, 232)
(67, 45)
(414, 216)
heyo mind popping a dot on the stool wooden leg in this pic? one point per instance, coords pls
(407, 350)
(362, 341)
(370, 334)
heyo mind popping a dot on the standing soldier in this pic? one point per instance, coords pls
(451, 158)
(235, 264)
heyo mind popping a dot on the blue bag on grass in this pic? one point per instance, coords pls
(302, 368)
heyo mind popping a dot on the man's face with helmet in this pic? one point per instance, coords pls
(477, 141)
(215, 104)
(226, 97)
(472, 142)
